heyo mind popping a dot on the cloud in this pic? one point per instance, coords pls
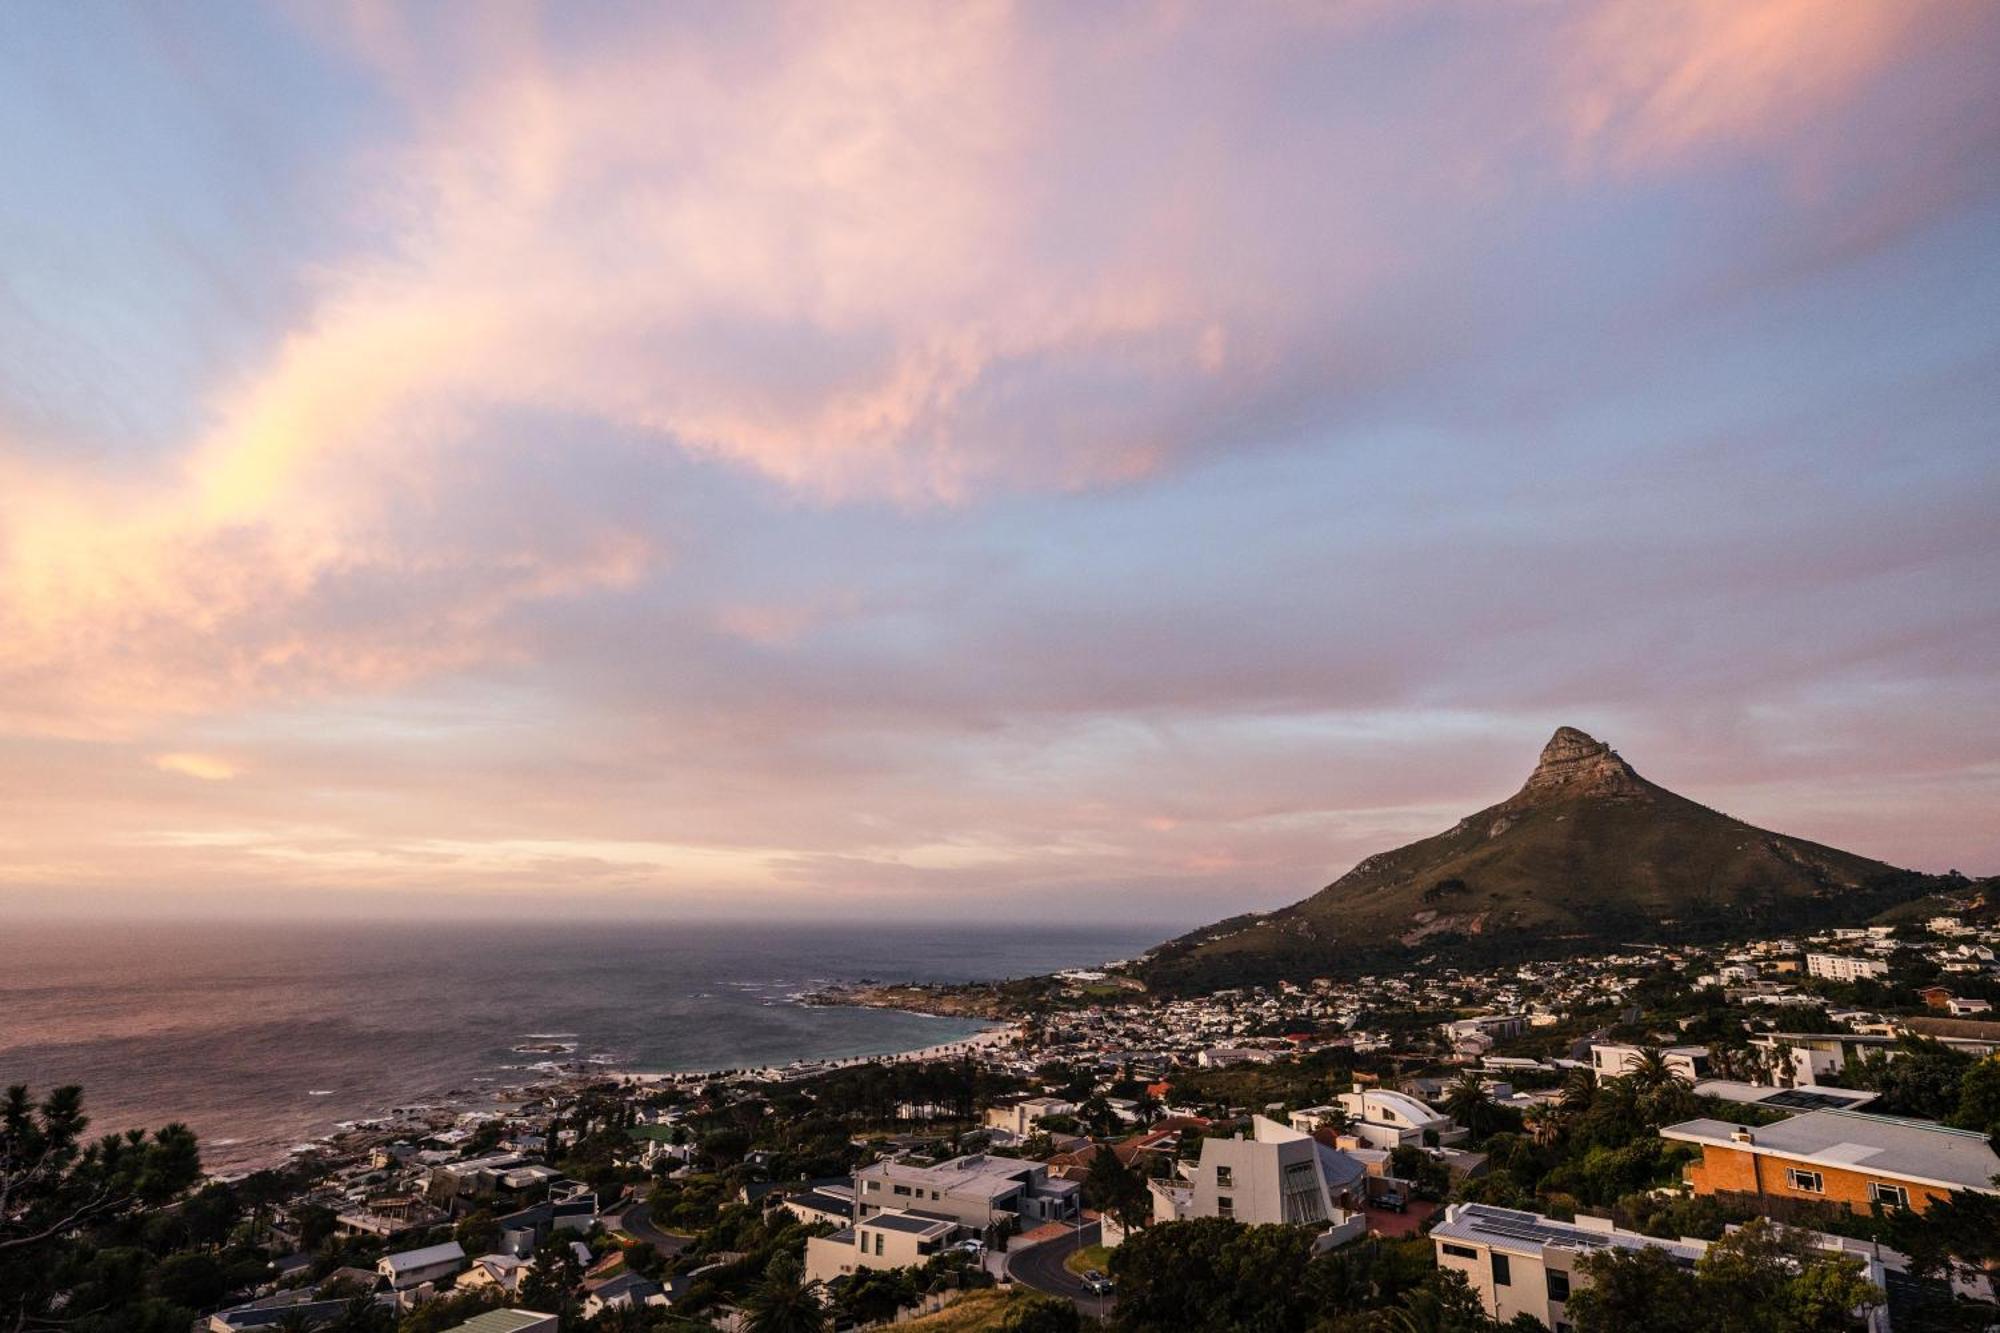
(1016, 447)
(207, 767)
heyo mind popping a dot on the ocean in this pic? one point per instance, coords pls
(262, 1037)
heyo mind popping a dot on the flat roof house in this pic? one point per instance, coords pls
(1844, 1157)
(1524, 1263)
(975, 1191)
(886, 1240)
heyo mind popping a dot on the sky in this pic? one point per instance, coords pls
(1072, 462)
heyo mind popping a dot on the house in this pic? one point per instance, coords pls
(975, 1191)
(1616, 1060)
(1967, 1008)
(1935, 997)
(412, 1268)
(508, 1321)
(833, 1204)
(1840, 967)
(263, 1316)
(1524, 1263)
(1381, 1118)
(1020, 1118)
(893, 1239)
(1310, 1118)
(495, 1272)
(624, 1292)
(1844, 1157)
(1785, 1099)
(1271, 1174)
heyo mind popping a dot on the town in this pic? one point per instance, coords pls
(1602, 1142)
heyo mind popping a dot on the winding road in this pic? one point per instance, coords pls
(1041, 1267)
(637, 1222)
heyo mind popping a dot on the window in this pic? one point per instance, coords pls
(1460, 1251)
(1806, 1182)
(1558, 1285)
(878, 1244)
(903, 1190)
(1225, 1206)
(1224, 1177)
(1893, 1196)
(1503, 1273)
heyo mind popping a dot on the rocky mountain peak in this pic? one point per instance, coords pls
(1576, 763)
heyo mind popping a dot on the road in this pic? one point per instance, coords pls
(1041, 1267)
(637, 1222)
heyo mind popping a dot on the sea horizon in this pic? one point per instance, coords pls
(269, 1036)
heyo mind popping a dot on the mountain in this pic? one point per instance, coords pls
(1586, 854)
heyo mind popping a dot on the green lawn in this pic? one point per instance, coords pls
(1089, 1257)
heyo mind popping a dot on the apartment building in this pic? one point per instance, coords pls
(1524, 1263)
(1844, 1157)
(1840, 967)
(1272, 1174)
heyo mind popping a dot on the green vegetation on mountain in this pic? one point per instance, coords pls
(1586, 854)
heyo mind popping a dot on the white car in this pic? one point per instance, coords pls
(1096, 1283)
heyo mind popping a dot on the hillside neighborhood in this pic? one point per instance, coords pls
(1525, 1144)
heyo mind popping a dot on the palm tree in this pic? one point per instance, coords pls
(1468, 1102)
(1544, 1123)
(785, 1302)
(1649, 1071)
(1579, 1090)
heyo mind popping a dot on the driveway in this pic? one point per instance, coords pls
(1041, 1266)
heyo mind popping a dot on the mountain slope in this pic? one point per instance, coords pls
(1586, 853)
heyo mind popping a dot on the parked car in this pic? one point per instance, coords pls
(1394, 1200)
(1096, 1283)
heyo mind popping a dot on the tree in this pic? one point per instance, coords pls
(1469, 1103)
(1632, 1291)
(194, 1280)
(1115, 1187)
(1445, 1303)
(551, 1284)
(1544, 1124)
(315, 1223)
(56, 1192)
(785, 1302)
(1979, 1099)
(1212, 1273)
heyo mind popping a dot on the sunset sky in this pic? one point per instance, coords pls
(1078, 461)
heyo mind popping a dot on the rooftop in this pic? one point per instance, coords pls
(1529, 1233)
(500, 1321)
(1881, 1145)
(913, 1224)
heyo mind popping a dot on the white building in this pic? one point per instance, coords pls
(413, 1268)
(974, 1191)
(1615, 1060)
(1382, 1118)
(1839, 967)
(892, 1239)
(1020, 1118)
(1272, 1174)
(1524, 1263)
